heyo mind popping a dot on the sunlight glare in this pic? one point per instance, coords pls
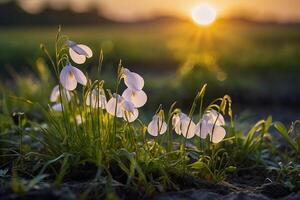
(204, 14)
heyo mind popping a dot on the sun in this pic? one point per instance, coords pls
(204, 14)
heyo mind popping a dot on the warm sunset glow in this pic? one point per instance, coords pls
(204, 14)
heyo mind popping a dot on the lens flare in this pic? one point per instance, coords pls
(204, 14)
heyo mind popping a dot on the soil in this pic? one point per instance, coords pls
(246, 184)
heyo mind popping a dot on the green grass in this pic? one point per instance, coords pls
(55, 146)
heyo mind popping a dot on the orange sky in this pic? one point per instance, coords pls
(130, 10)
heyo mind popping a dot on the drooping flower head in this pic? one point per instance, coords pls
(212, 116)
(137, 97)
(79, 52)
(183, 125)
(157, 126)
(57, 107)
(132, 80)
(211, 124)
(120, 107)
(55, 97)
(70, 76)
(55, 94)
(96, 99)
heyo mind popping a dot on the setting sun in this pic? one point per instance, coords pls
(204, 14)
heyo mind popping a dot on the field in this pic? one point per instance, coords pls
(219, 119)
(256, 64)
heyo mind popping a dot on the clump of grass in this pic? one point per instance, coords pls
(83, 127)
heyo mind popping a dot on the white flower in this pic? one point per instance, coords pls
(55, 98)
(70, 76)
(137, 97)
(79, 52)
(133, 80)
(122, 108)
(57, 107)
(96, 99)
(211, 124)
(157, 126)
(183, 125)
(55, 94)
(212, 116)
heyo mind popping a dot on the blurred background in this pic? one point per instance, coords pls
(250, 49)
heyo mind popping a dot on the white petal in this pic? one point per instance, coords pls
(163, 128)
(133, 80)
(188, 128)
(176, 123)
(87, 50)
(152, 128)
(111, 107)
(120, 98)
(77, 58)
(175, 120)
(57, 107)
(127, 106)
(79, 75)
(157, 126)
(218, 134)
(213, 116)
(138, 98)
(91, 98)
(202, 129)
(131, 116)
(79, 52)
(67, 78)
(54, 94)
(102, 101)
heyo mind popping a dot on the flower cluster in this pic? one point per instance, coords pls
(210, 125)
(133, 97)
(122, 106)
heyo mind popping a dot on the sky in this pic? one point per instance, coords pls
(134, 10)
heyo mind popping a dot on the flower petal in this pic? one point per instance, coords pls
(77, 58)
(87, 50)
(213, 116)
(131, 116)
(57, 107)
(152, 128)
(79, 75)
(188, 128)
(157, 126)
(218, 134)
(202, 129)
(176, 123)
(163, 128)
(133, 80)
(67, 78)
(127, 106)
(111, 107)
(102, 101)
(54, 94)
(137, 97)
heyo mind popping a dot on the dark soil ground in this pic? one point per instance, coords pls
(245, 184)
